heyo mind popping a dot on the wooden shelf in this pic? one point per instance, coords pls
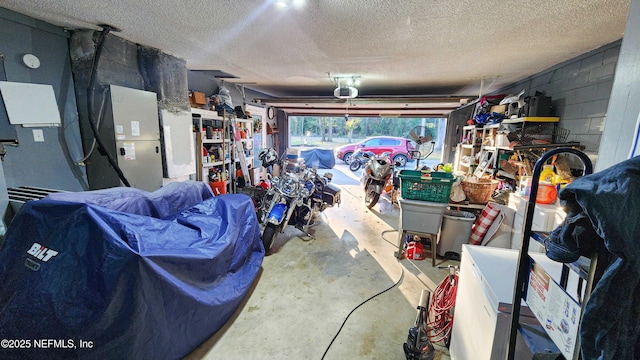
(487, 135)
(467, 205)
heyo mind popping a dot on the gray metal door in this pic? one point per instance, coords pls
(141, 163)
(135, 114)
(137, 134)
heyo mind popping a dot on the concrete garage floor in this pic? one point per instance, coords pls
(306, 289)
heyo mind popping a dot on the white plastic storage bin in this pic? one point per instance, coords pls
(421, 216)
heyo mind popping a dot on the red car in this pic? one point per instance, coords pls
(397, 146)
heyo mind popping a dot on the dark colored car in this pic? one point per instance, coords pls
(398, 147)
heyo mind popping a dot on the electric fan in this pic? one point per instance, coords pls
(424, 144)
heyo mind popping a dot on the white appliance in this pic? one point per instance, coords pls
(483, 303)
(486, 280)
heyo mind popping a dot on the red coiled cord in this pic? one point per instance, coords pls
(440, 309)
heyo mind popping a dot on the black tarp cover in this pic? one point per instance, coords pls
(139, 275)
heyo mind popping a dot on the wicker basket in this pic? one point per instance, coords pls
(479, 192)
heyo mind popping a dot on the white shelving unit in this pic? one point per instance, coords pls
(211, 133)
(467, 149)
(486, 144)
(220, 143)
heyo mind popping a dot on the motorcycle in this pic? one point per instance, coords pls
(358, 160)
(377, 177)
(296, 197)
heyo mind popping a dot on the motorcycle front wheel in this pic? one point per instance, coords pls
(371, 199)
(355, 165)
(268, 235)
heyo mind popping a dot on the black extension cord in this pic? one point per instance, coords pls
(362, 303)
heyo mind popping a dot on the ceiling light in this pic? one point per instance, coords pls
(289, 3)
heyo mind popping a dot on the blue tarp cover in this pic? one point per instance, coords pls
(319, 158)
(138, 275)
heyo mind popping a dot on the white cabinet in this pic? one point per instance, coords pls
(546, 217)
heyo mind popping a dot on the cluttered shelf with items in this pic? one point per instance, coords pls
(504, 138)
(564, 271)
(556, 326)
(531, 170)
(224, 141)
(488, 187)
(567, 284)
(489, 180)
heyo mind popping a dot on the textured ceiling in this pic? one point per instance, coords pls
(398, 48)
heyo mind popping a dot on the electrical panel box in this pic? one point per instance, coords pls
(131, 133)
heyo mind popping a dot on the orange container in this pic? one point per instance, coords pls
(218, 187)
(547, 192)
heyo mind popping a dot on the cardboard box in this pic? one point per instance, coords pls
(271, 129)
(256, 175)
(197, 98)
(500, 109)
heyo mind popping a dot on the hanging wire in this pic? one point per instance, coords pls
(98, 121)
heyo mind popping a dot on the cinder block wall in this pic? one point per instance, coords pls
(580, 89)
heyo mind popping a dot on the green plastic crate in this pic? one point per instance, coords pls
(418, 185)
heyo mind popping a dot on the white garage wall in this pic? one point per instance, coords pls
(624, 103)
